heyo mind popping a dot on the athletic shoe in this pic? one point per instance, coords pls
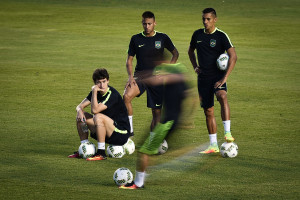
(130, 186)
(228, 136)
(74, 155)
(211, 149)
(96, 157)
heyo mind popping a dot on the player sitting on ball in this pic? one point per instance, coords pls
(109, 119)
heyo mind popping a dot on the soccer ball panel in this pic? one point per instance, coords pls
(229, 150)
(115, 151)
(87, 150)
(163, 147)
(122, 176)
(129, 147)
(222, 62)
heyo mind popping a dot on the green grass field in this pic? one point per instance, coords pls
(48, 51)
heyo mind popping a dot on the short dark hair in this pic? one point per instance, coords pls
(99, 74)
(210, 10)
(148, 14)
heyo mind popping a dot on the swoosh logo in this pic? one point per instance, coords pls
(141, 45)
(157, 104)
(199, 41)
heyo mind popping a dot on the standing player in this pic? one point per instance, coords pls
(147, 46)
(211, 42)
(109, 119)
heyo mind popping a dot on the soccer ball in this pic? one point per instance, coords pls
(222, 62)
(229, 150)
(87, 150)
(163, 147)
(129, 147)
(122, 176)
(115, 151)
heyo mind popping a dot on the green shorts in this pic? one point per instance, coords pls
(155, 138)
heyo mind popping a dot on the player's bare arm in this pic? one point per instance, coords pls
(192, 56)
(175, 55)
(80, 113)
(231, 63)
(95, 106)
(131, 80)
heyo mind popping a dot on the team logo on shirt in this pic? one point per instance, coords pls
(157, 44)
(213, 42)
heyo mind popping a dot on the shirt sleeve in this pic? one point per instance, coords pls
(169, 44)
(193, 41)
(226, 42)
(131, 49)
(89, 96)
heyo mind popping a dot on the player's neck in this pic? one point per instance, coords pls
(104, 92)
(211, 30)
(151, 34)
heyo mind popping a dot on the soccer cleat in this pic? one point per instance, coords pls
(96, 157)
(130, 186)
(74, 155)
(211, 149)
(228, 136)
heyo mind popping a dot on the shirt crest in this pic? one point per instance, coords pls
(157, 44)
(213, 42)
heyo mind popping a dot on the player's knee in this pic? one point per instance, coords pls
(99, 119)
(127, 98)
(209, 112)
(222, 97)
(156, 113)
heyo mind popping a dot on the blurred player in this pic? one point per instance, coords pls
(211, 42)
(109, 119)
(146, 46)
(172, 78)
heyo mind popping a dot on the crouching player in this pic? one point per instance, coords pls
(172, 78)
(109, 119)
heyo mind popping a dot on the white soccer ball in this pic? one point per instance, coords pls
(129, 147)
(229, 149)
(163, 147)
(222, 62)
(114, 151)
(87, 150)
(122, 176)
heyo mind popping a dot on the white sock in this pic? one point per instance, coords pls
(213, 138)
(139, 178)
(101, 145)
(84, 141)
(130, 122)
(226, 125)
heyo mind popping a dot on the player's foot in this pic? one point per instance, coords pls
(97, 157)
(74, 155)
(130, 186)
(213, 148)
(228, 136)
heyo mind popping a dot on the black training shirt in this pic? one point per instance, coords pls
(209, 47)
(149, 49)
(116, 108)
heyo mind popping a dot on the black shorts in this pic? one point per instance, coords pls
(207, 91)
(154, 94)
(118, 137)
